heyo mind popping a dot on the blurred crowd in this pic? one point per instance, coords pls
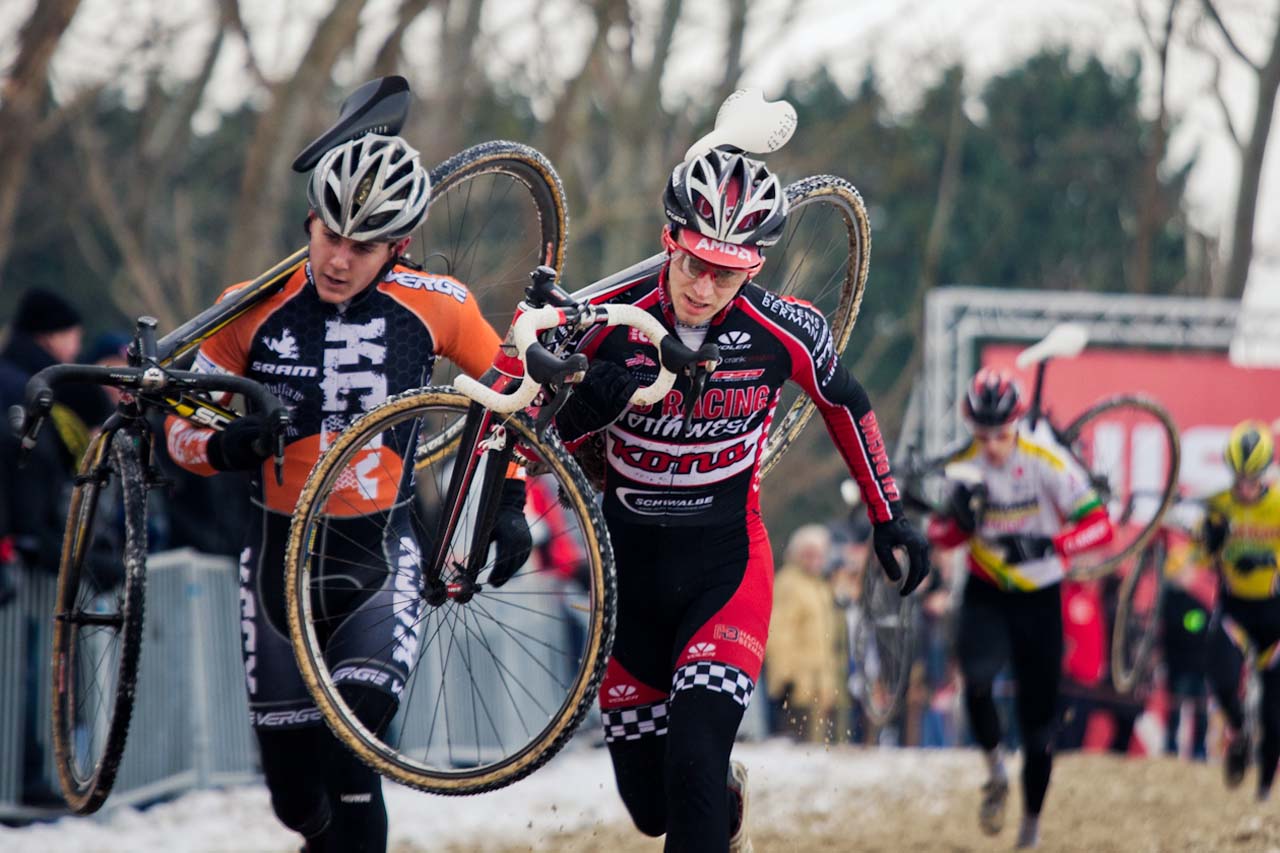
(35, 487)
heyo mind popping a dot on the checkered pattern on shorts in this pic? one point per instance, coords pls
(635, 723)
(719, 677)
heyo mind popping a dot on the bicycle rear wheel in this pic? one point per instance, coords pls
(883, 642)
(1129, 447)
(491, 681)
(98, 620)
(822, 258)
(497, 210)
(1137, 622)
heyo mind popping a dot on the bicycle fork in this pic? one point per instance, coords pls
(484, 444)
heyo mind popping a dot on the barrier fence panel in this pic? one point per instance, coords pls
(190, 725)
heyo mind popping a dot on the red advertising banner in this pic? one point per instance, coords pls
(1204, 393)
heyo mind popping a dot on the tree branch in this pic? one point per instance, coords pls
(1212, 12)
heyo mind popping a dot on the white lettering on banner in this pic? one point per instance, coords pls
(1202, 466)
(658, 463)
(405, 604)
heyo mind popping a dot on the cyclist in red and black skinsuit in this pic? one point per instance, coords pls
(695, 571)
(351, 328)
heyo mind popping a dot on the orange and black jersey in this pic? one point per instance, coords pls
(331, 363)
(657, 475)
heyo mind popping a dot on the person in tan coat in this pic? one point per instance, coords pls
(801, 655)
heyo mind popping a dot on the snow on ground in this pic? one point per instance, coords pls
(573, 792)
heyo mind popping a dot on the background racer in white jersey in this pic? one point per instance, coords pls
(1028, 510)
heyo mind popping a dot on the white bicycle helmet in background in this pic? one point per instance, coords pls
(724, 207)
(370, 189)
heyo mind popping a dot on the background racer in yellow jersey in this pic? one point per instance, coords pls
(1241, 535)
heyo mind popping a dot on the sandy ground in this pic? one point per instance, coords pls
(1096, 803)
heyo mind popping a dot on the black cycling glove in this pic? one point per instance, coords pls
(1019, 548)
(899, 533)
(510, 533)
(966, 505)
(597, 400)
(242, 446)
(1215, 532)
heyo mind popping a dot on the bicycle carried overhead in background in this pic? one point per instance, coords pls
(495, 209)
(1102, 441)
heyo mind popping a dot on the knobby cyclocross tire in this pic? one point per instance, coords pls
(1115, 488)
(98, 620)
(883, 643)
(822, 258)
(497, 210)
(540, 683)
(1138, 606)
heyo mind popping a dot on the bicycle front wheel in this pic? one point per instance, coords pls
(98, 620)
(1129, 448)
(1137, 623)
(489, 682)
(883, 641)
(822, 258)
(497, 211)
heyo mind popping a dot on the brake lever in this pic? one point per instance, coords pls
(550, 408)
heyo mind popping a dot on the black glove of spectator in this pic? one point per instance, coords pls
(899, 533)
(1251, 561)
(966, 505)
(1215, 532)
(597, 400)
(1019, 548)
(510, 533)
(242, 446)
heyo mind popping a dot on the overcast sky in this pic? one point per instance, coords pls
(909, 42)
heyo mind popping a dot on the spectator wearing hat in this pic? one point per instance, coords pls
(45, 330)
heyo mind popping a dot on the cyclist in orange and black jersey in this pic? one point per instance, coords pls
(1241, 535)
(347, 331)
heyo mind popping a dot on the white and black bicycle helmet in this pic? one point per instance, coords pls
(724, 207)
(371, 189)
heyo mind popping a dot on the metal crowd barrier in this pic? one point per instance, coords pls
(190, 725)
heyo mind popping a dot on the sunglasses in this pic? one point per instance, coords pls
(696, 268)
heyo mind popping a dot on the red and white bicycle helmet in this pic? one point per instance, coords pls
(724, 208)
(994, 398)
(370, 189)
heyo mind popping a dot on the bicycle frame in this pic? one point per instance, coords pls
(482, 436)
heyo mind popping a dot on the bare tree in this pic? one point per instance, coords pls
(21, 95)
(1252, 150)
(1153, 209)
(280, 133)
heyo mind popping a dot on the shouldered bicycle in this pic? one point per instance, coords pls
(1101, 441)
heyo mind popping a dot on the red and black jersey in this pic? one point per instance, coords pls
(332, 363)
(657, 475)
